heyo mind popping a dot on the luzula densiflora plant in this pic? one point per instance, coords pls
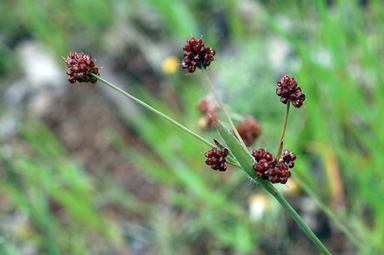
(260, 165)
(274, 169)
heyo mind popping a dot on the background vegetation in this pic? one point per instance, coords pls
(84, 171)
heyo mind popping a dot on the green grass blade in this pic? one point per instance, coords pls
(242, 156)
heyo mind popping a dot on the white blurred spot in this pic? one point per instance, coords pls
(258, 204)
(322, 57)
(43, 78)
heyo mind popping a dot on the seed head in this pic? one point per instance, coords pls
(196, 53)
(287, 158)
(280, 173)
(80, 66)
(216, 158)
(268, 169)
(288, 90)
(249, 130)
(264, 163)
(206, 106)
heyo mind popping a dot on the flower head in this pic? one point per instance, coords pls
(249, 130)
(267, 168)
(216, 158)
(196, 54)
(288, 90)
(80, 66)
(265, 163)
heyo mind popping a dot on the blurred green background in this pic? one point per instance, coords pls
(86, 171)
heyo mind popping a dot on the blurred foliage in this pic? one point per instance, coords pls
(333, 49)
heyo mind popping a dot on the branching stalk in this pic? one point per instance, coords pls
(241, 153)
(230, 160)
(223, 108)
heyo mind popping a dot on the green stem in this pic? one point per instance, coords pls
(154, 110)
(222, 107)
(332, 217)
(246, 161)
(295, 216)
(278, 152)
(288, 208)
(230, 160)
(300, 222)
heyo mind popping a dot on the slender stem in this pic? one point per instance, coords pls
(284, 202)
(300, 222)
(333, 217)
(154, 110)
(223, 108)
(230, 159)
(278, 152)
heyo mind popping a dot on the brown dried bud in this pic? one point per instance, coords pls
(206, 105)
(249, 130)
(207, 108)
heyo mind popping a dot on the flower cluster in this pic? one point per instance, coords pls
(281, 172)
(288, 90)
(287, 158)
(207, 108)
(265, 162)
(249, 130)
(216, 158)
(80, 66)
(267, 168)
(196, 54)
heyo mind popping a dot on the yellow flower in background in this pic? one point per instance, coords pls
(170, 65)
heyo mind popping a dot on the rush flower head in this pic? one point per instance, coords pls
(80, 66)
(249, 130)
(216, 158)
(287, 158)
(196, 54)
(206, 106)
(288, 90)
(268, 169)
(264, 163)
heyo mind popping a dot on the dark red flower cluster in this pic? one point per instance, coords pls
(196, 53)
(249, 130)
(267, 168)
(264, 163)
(80, 66)
(281, 172)
(287, 158)
(216, 158)
(288, 90)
